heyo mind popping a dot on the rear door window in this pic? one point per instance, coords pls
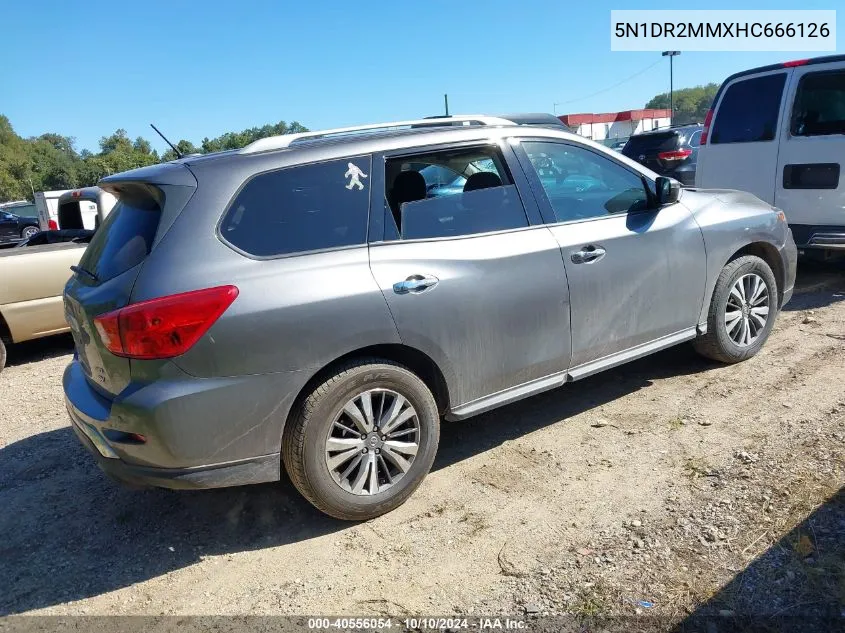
(748, 113)
(819, 108)
(126, 236)
(480, 199)
(304, 208)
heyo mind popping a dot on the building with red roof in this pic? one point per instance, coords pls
(617, 125)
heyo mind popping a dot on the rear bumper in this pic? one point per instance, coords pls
(829, 237)
(247, 471)
(194, 449)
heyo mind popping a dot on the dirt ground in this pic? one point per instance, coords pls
(670, 487)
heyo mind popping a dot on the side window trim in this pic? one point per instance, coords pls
(525, 193)
(218, 232)
(545, 205)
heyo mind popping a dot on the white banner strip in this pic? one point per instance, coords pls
(699, 30)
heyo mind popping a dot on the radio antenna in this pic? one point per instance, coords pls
(172, 146)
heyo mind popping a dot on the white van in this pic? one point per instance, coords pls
(779, 132)
(73, 208)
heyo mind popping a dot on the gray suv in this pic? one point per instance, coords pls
(322, 300)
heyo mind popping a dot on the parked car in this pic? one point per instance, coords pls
(779, 132)
(14, 228)
(618, 146)
(305, 301)
(531, 119)
(31, 293)
(669, 152)
(82, 236)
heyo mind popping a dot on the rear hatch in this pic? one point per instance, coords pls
(147, 202)
(645, 149)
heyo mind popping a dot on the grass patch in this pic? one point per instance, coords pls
(676, 424)
(696, 467)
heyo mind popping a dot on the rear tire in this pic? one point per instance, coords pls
(2, 355)
(356, 466)
(29, 231)
(735, 327)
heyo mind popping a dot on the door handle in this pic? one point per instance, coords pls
(415, 284)
(588, 254)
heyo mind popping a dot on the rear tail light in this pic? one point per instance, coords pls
(707, 120)
(52, 225)
(675, 155)
(164, 327)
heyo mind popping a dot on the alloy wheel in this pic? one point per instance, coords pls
(747, 309)
(372, 442)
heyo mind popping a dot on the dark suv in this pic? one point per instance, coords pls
(14, 228)
(320, 300)
(671, 152)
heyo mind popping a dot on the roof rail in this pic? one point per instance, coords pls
(285, 140)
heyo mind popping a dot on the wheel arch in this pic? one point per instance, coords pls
(5, 332)
(416, 361)
(769, 254)
(760, 248)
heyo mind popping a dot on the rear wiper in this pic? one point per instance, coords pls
(81, 271)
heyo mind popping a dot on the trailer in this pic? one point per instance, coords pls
(72, 208)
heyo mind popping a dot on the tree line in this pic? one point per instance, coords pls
(51, 161)
(690, 104)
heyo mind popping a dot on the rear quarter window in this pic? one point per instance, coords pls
(303, 208)
(126, 236)
(748, 113)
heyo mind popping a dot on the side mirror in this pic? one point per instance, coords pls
(668, 190)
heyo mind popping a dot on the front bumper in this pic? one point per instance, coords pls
(180, 450)
(789, 259)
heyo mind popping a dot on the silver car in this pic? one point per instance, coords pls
(322, 300)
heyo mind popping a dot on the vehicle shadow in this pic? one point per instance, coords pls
(817, 285)
(70, 533)
(797, 584)
(39, 349)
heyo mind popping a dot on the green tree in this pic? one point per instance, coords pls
(236, 140)
(50, 161)
(184, 147)
(690, 104)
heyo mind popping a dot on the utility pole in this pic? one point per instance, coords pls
(554, 108)
(671, 55)
(446, 103)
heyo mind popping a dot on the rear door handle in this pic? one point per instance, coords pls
(415, 284)
(588, 254)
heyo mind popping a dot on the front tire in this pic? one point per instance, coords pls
(363, 440)
(2, 355)
(742, 311)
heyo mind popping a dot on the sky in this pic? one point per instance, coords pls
(201, 68)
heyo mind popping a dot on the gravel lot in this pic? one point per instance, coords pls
(694, 487)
